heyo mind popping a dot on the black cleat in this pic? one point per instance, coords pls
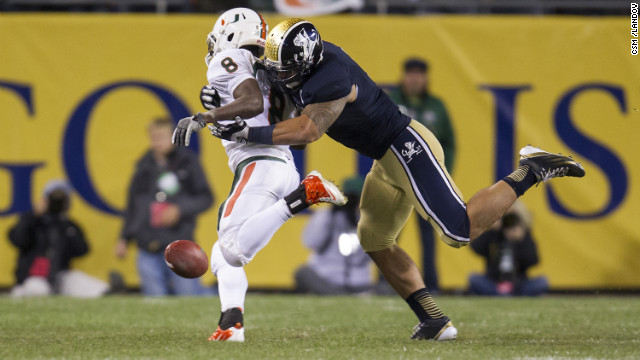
(435, 329)
(546, 166)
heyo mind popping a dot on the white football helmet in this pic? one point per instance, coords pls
(237, 28)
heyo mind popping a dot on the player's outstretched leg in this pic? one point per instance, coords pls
(256, 231)
(536, 165)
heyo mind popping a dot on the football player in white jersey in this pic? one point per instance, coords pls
(266, 189)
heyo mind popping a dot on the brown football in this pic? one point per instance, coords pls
(186, 259)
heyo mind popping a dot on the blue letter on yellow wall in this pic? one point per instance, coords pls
(597, 153)
(505, 104)
(21, 178)
(23, 91)
(21, 174)
(75, 159)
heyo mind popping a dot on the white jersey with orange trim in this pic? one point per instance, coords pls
(227, 70)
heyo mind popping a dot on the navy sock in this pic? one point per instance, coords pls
(423, 305)
(521, 180)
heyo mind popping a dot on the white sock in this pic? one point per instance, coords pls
(232, 286)
(232, 281)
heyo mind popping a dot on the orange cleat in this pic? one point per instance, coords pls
(234, 333)
(230, 326)
(320, 190)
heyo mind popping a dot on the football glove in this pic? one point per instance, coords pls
(209, 97)
(187, 126)
(237, 131)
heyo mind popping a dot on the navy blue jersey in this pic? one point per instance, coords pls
(369, 124)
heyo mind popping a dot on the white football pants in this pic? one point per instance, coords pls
(250, 216)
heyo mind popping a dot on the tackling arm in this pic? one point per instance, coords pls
(306, 128)
(312, 123)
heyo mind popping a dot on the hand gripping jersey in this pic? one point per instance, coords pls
(369, 124)
(227, 70)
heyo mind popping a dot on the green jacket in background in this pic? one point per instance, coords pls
(431, 112)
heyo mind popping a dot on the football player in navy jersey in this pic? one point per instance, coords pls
(338, 98)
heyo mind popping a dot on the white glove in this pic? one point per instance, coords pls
(182, 133)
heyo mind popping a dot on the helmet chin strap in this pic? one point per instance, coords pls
(211, 44)
(207, 59)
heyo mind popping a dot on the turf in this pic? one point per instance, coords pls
(307, 327)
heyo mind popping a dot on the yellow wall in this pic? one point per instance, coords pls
(64, 58)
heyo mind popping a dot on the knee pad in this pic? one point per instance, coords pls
(231, 252)
(222, 256)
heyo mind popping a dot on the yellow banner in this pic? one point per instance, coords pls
(77, 92)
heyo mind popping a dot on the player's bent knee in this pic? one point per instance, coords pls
(231, 253)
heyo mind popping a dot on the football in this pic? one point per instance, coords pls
(186, 258)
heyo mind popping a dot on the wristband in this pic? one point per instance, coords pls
(199, 117)
(261, 134)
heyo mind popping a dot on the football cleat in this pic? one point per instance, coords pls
(435, 329)
(546, 166)
(230, 327)
(320, 190)
(234, 333)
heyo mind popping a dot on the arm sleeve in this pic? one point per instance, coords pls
(230, 68)
(317, 232)
(198, 196)
(21, 235)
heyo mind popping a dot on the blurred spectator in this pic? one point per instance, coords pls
(509, 250)
(47, 241)
(415, 100)
(167, 192)
(337, 265)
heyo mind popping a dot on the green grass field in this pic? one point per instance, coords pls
(307, 327)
